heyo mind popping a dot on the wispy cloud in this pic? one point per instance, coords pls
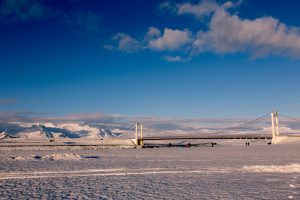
(202, 9)
(31, 116)
(125, 43)
(23, 10)
(12, 11)
(88, 117)
(7, 101)
(11, 117)
(173, 58)
(86, 20)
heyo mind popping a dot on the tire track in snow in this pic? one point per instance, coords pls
(106, 172)
(292, 168)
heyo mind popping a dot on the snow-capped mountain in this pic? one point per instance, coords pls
(53, 131)
(107, 133)
(4, 135)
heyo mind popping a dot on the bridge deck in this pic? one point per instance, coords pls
(206, 137)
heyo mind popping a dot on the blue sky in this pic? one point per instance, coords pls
(141, 58)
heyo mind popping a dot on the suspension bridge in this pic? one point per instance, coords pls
(265, 127)
(224, 133)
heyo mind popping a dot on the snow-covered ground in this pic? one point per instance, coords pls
(222, 172)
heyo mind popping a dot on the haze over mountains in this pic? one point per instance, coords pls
(110, 126)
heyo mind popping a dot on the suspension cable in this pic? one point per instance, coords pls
(249, 122)
(292, 118)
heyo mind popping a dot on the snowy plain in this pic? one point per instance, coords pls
(225, 171)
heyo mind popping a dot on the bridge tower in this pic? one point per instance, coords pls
(139, 134)
(275, 126)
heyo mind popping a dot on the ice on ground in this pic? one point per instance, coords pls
(222, 172)
(32, 157)
(54, 156)
(291, 168)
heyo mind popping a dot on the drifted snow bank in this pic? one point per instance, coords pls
(291, 168)
(64, 156)
(287, 140)
(2, 135)
(56, 156)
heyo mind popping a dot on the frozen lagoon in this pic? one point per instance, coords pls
(221, 172)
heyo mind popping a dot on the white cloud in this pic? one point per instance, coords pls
(172, 39)
(153, 32)
(259, 37)
(169, 40)
(125, 43)
(173, 58)
(87, 117)
(226, 33)
(203, 8)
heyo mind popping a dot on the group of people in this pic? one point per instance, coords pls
(247, 143)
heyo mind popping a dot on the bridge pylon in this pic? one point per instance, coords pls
(139, 134)
(275, 126)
